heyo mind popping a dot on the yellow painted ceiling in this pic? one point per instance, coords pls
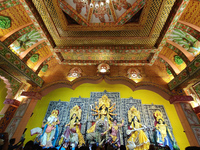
(19, 19)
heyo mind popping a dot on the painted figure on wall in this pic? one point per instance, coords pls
(138, 139)
(114, 136)
(119, 4)
(50, 131)
(101, 11)
(72, 133)
(187, 41)
(103, 121)
(80, 4)
(162, 135)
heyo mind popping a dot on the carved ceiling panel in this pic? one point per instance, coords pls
(152, 19)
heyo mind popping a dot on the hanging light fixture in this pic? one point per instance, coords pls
(98, 3)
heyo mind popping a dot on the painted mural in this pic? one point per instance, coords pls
(25, 41)
(90, 119)
(97, 11)
(102, 13)
(187, 41)
(121, 6)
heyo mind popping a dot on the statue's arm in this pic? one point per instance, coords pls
(129, 116)
(95, 110)
(94, 114)
(122, 124)
(107, 130)
(168, 131)
(67, 125)
(112, 106)
(58, 121)
(113, 114)
(112, 110)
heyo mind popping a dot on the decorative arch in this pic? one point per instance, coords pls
(31, 50)
(18, 34)
(180, 53)
(177, 71)
(165, 93)
(41, 61)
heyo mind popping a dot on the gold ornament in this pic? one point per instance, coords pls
(158, 115)
(104, 101)
(133, 112)
(77, 111)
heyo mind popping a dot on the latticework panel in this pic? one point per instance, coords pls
(100, 42)
(166, 8)
(156, 14)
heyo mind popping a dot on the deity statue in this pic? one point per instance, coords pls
(138, 139)
(50, 132)
(104, 109)
(72, 133)
(163, 135)
(104, 113)
(114, 136)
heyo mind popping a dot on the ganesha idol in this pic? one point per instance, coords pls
(49, 135)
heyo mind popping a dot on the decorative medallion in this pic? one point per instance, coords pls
(34, 58)
(45, 68)
(134, 73)
(168, 71)
(75, 72)
(5, 22)
(103, 68)
(178, 60)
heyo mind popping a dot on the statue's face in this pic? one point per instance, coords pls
(55, 112)
(132, 110)
(135, 119)
(74, 115)
(160, 121)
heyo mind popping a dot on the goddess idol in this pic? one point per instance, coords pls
(138, 139)
(50, 132)
(72, 133)
(162, 133)
(104, 116)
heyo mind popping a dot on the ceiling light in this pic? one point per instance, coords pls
(103, 70)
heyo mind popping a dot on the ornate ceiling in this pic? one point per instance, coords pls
(159, 38)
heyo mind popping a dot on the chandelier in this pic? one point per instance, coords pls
(97, 3)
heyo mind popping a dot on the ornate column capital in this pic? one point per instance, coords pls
(34, 95)
(180, 98)
(12, 102)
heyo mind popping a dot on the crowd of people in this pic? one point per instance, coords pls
(6, 144)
